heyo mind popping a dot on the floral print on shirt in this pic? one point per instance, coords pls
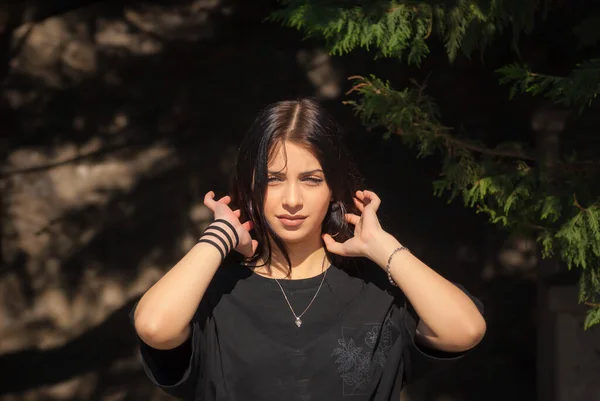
(359, 356)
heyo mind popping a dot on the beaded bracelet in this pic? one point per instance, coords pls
(387, 266)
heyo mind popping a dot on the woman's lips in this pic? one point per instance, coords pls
(291, 222)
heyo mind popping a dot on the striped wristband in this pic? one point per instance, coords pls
(227, 246)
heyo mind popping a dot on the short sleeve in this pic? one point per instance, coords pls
(175, 371)
(420, 361)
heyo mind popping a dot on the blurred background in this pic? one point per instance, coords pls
(117, 117)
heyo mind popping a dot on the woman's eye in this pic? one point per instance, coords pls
(314, 180)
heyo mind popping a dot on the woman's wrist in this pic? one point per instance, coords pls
(207, 249)
(381, 249)
(221, 235)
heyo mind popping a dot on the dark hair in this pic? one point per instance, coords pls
(306, 123)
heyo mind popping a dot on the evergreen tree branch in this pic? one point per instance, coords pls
(578, 89)
(422, 120)
(394, 28)
(577, 204)
(453, 141)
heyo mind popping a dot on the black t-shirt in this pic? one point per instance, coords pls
(356, 340)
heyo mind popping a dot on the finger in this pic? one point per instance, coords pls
(221, 209)
(370, 194)
(248, 226)
(374, 200)
(333, 246)
(352, 218)
(359, 204)
(209, 200)
(360, 195)
(210, 195)
(237, 213)
(249, 251)
(226, 199)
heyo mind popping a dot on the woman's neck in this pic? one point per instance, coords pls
(307, 261)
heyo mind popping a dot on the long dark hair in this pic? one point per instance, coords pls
(306, 123)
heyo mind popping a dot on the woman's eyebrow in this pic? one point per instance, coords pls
(318, 170)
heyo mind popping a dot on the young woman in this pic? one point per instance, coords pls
(318, 302)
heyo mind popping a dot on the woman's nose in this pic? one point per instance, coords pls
(292, 196)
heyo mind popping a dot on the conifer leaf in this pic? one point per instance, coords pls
(592, 318)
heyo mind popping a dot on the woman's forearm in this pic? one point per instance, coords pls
(450, 321)
(163, 315)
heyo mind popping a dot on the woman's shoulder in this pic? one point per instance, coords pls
(226, 278)
(367, 271)
(371, 277)
(230, 272)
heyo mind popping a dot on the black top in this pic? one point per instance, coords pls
(357, 339)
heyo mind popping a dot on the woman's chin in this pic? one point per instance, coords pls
(296, 237)
(292, 236)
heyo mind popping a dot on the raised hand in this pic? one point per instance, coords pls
(247, 246)
(367, 230)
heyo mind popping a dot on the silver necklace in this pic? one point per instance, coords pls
(298, 320)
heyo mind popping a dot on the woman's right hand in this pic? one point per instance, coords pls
(221, 210)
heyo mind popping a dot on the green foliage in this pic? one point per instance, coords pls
(395, 28)
(391, 28)
(579, 89)
(508, 182)
(592, 318)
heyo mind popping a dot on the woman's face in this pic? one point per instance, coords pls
(297, 197)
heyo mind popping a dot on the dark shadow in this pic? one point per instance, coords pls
(94, 350)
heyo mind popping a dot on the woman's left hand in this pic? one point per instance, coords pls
(367, 229)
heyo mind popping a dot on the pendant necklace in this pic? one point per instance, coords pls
(298, 320)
